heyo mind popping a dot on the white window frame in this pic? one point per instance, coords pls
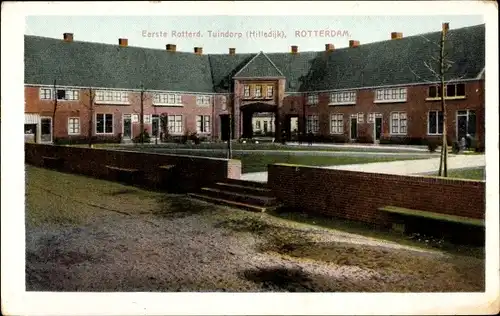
(147, 118)
(167, 99)
(43, 92)
(175, 122)
(336, 127)
(270, 92)
(203, 100)
(399, 125)
(223, 100)
(386, 95)
(111, 97)
(361, 118)
(312, 99)
(314, 128)
(446, 97)
(343, 97)
(437, 133)
(246, 91)
(69, 126)
(204, 121)
(104, 124)
(258, 95)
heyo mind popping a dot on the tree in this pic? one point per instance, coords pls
(90, 107)
(56, 96)
(439, 68)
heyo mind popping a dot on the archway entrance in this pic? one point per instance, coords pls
(259, 119)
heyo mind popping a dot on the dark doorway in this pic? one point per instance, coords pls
(127, 127)
(466, 124)
(354, 128)
(378, 128)
(247, 124)
(224, 127)
(292, 127)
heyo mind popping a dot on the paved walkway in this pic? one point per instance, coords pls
(361, 146)
(405, 167)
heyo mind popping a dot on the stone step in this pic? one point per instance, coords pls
(238, 188)
(246, 198)
(234, 204)
(246, 183)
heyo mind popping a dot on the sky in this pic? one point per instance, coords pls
(285, 31)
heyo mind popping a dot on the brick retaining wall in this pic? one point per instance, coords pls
(357, 195)
(191, 172)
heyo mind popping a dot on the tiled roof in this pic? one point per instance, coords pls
(390, 62)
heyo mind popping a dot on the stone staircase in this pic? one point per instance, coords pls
(247, 195)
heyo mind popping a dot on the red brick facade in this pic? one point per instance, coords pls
(416, 108)
(351, 195)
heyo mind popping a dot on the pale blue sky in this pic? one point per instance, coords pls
(363, 28)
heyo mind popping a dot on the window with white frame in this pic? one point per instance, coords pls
(456, 90)
(203, 123)
(109, 96)
(167, 99)
(391, 95)
(312, 123)
(147, 118)
(45, 93)
(270, 91)
(104, 123)
(246, 91)
(343, 97)
(398, 123)
(435, 123)
(361, 118)
(72, 95)
(337, 123)
(73, 126)
(203, 100)
(174, 123)
(223, 100)
(312, 99)
(258, 91)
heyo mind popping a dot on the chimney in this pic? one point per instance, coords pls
(232, 51)
(198, 50)
(446, 27)
(329, 47)
(396, 35)
(353, 43)
(295, 49)
(68, 37)
(123, 42)
(171, 47)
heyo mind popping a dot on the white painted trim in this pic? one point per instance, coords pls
(446, 98)
(79, 126)
(399, 124)
(331, 126)
(128, 89)
(390, 101)
(167, 105)
(112, 124)
(51, 131)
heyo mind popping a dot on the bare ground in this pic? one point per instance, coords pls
(92, 235)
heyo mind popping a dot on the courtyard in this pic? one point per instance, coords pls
(85, 234)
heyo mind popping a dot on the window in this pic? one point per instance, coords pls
(312, 123)
(258, 91)
(361, 117)
(257, 124)
(346, 97)
(398, 123)
(223, 101)
(72, 95)
(451, 91)
(466, 123)
(435, 123)
(312, 99)
(108, 96)
(203, 100)
(203, 124)
(390, 95)
(104, 123)
(167, 99)
(174, 124)
(73, 126)
(147, 118)
(337, 124)
(246, 91)
(45, 93)
(270, 91)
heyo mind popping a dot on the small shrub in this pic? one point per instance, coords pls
(432, 145)
(144, 136)
(194, 138)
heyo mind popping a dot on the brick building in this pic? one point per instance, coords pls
(382, 91)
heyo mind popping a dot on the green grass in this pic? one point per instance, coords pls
(472, 173)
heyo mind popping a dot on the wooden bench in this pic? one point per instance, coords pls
(399, 213)
(52, 162)
(128, 175)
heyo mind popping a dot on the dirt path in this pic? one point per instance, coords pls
(199, 247)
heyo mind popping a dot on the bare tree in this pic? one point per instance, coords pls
(55, 109)
(438, 69)
(90, 107)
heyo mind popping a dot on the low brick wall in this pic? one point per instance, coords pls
(357, 195)
(190, 173)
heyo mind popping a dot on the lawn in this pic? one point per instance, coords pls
(85, 234)
(257, 162)
(472, 173)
